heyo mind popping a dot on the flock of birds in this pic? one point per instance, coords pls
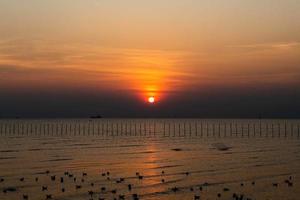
(99, 192)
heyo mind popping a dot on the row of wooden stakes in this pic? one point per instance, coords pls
(163, 128)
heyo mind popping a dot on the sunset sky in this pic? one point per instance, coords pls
(198, 58)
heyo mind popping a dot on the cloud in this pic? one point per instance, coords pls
(280, 45)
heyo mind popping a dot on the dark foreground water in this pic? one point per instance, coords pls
(149, 159)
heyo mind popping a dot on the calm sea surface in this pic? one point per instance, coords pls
(159, 159)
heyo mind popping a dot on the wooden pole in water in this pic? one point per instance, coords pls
(111, 128)
(207, 129)
(236, 129)
(242, 130)
(254, 129)
(179, 129)
(267, 130)
(219, 130)
(93, 127)
(285, 131)
(201, 128)
(140, 128)
(117, 129)
(184, 127)
(272, 130)
(13, 128)
(79, 128)
(27, 129)
(82, 128)
(298, 130)
(196, 129)
(225, 129)
(248, 130)
(174, 129)
(260, 129)
(120, 128)
(106, 128)
(279, 130)
(5, 129)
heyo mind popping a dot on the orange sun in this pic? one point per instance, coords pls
(151, 100)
